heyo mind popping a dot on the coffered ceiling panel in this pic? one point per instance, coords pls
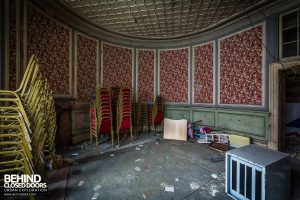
(158, 19)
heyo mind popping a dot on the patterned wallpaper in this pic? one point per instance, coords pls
(117, 66)
(86, 68)
(241, 68)
(204, 73)
(12, 45)
(146, 73)
(50, 41)
(173, 77)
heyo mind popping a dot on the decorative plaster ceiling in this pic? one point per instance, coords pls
(158, 19)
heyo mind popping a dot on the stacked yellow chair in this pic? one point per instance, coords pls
(27, 124)
(114, 91)
(156, 113)
(141, 115)
(124, 115)
(101, 115)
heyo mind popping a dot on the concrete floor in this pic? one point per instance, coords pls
(143, 169)
(130, 173)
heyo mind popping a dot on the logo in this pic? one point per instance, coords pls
(23, 185)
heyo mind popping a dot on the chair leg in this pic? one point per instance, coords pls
(112, 139)
(118, 137)
(97, 143)
(131, 133)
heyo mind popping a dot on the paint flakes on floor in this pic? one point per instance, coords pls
(137, 169)
(194, 186)
(139, 160)
(169, 188)
(97, 187)
(214, 176)
(213, 190)
(95, 196)
(80, 183)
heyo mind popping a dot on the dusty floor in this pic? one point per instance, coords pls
(147, 167)
(145, 171)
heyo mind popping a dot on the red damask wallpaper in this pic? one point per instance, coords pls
(86, 68)
(117, 66)
(50, 41)
(12, 45)
(174, 69)
(241, 68)
(146, 73)
(204, 73)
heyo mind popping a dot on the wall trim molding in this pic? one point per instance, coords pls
(137, 70)
(213, 42)
(132, 61)
(275, 112)
(189, 74)
(263, 67)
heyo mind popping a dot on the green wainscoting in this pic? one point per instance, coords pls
(249, 123)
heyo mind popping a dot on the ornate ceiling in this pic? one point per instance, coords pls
(158, 19)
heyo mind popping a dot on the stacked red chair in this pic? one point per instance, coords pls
(93, 122)
(101, 111)
(115, 91)
(124, 109)
(156, 113)
(141, 114)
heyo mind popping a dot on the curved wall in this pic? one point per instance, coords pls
(219, 76)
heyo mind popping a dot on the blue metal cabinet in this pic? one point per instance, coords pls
(257, 173)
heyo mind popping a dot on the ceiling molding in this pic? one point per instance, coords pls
(59, 11)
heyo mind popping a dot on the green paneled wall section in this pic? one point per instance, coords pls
(253, 124)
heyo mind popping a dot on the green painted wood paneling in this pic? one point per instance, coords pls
(208, 117)
(177, 114)
(243, 123)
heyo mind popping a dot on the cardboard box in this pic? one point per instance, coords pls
(175, 129)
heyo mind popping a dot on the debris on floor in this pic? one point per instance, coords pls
(137, 169)
(163, 184)
(144, 196)
(97, 187)
(169, 188)
(139, 160)
(76, 172)
(213, 190)
(194, 186)
(217, 158)
(95, 196)
(148, 173)
(221, 147)
(214, 176)
(112, 155)
(80, 183)
(238, 141)
(137, 148)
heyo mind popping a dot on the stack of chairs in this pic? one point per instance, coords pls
(93, 121)
(114, 91)
(27, 124)
(101, 115)
(141, 115)
(156, 113)
(124, 112)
